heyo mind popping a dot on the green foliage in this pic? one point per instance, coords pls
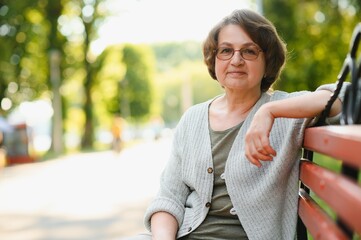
(170, 55)
(182, 86)
(182, 78)
(317, 34)
(162, 79)
(110, 71)
(136, 87)
(23, 57)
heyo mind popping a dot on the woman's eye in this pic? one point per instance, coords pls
(250, 51)
(226, 50)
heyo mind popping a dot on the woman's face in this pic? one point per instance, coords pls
(238, 73)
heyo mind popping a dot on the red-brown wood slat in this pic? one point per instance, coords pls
(342, 194)
(340, 142)
(318, 223)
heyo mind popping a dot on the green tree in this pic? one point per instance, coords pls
(55, 52)
(170, 55)
(179, 87)
(111, 71)
(23, 59)
(86, 16)
(90, 17)
(317, 34)
(136, 92)
(182, 78)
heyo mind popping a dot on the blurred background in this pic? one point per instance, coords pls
(69, 67)
(80, 76)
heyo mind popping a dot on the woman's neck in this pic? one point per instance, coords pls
(228, 111)
(236, 102)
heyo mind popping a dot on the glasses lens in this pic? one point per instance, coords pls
(250, 53)
(224, 53)
(247, 53)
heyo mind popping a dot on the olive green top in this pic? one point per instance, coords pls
(221, 221)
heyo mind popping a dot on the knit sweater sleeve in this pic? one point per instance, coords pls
(341, 96)
(329, 87)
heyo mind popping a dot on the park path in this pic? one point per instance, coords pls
(89, 196)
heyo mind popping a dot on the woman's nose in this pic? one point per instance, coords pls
(237, 58)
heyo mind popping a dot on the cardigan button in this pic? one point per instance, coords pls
(233, 211)
(223, 176)
(210, 170)
(208, 204)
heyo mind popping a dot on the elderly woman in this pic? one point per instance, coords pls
(233, 169)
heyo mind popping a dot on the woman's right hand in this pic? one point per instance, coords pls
(257, 144)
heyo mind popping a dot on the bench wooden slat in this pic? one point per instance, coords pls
(340, 142)
(342, 194)
(318, 223)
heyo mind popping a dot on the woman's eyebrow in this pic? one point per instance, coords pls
(243, 45)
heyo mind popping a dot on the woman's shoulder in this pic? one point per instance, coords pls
(193, 118)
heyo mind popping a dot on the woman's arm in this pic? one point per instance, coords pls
(257, 145)
(163, 226)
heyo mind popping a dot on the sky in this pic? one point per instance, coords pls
(149, 21)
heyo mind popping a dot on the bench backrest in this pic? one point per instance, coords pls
(340, 191)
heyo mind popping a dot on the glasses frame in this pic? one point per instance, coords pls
(241, 51)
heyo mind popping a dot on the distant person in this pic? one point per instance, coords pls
(117, 131)
(234, 165)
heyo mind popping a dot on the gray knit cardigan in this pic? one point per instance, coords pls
(265, 198)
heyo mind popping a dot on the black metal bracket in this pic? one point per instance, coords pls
(351, 109)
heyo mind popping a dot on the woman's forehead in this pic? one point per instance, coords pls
(232, 34)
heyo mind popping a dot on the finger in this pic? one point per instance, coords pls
(266, 153)
(262, 153)
(270, 151)
(251, 158)
(264, 157)
(255, 162)
(266, 147)
(257, 156)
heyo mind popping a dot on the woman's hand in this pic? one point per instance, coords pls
(257, 144)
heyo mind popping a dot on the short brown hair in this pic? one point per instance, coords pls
(262, 32)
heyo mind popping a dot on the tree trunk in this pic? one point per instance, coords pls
(55, 79)
(88, 135)
(54, 9)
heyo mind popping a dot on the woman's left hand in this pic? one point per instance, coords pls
(257, 144)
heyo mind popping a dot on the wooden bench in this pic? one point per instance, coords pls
(338, 192)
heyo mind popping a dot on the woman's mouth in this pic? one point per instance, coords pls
(236, 73)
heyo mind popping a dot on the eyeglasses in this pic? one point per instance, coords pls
(248, 53)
